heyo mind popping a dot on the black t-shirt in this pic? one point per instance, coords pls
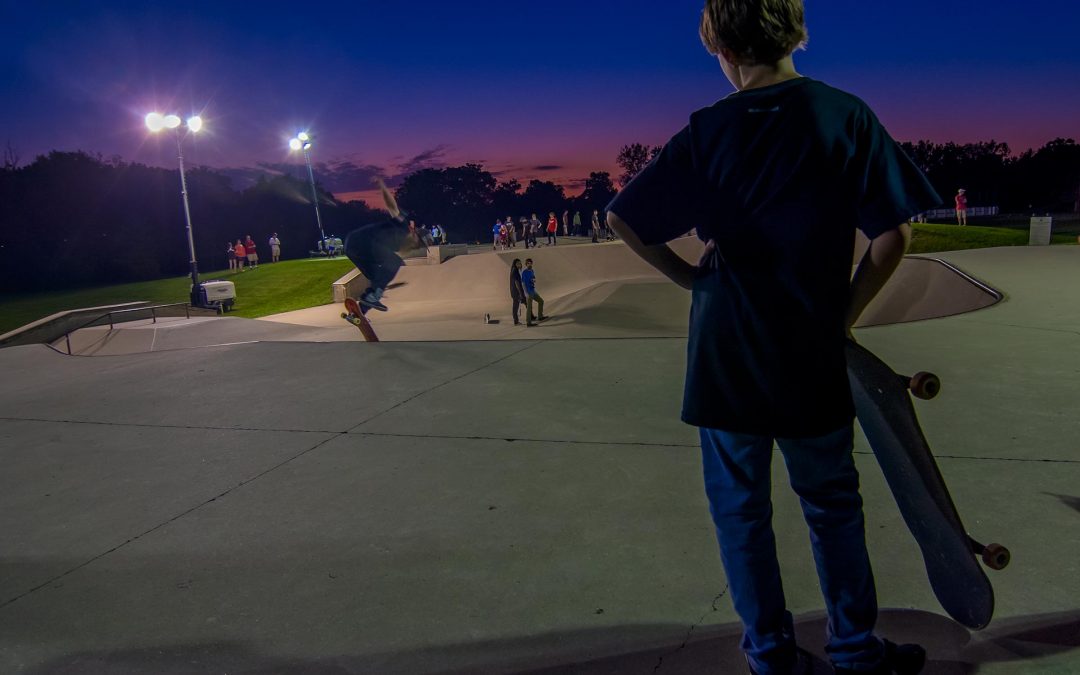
(779, 177)
(384, 234)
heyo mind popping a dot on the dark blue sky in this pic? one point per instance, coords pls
(545, 90)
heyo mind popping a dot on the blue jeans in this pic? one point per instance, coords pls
(738, 483)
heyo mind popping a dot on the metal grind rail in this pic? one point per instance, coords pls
(109, 315)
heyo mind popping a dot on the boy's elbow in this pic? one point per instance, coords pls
(906, 236)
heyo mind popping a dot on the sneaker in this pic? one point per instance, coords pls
(804, 663)
(898, 660)
(543, 318)
(530, 324)
(369, 299)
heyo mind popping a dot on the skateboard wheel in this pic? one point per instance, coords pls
(344, 315)
(996, 556)
(924, 385)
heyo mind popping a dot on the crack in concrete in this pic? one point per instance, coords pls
(522, 439)
(166, 522)
(1035, 460)
(689, 633)
(142, 425)
(508, 439)
(334, 435)
(443, 384)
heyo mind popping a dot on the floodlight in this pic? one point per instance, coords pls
(155, 122)
(194, 124)
(303, 136)
(295, 144)
(307, 146)
(171, 121)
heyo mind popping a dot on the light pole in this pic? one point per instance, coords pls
(155, 122)
(303, 142)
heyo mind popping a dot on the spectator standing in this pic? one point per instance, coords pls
(230, 255)
(512, 231)
(577, 224)
(552, 229)
(517, 289)
(252, 254)
(241, 255)
(534, 229)
(595, 226)
(770, 312)
(961, 207)
(566, 223)
(496, 232)
(528, 280)
(275, 248)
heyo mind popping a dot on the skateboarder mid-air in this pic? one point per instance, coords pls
(776, 177)
(374, 250)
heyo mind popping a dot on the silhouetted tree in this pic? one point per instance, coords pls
(460, 198)
(73, 219)
(541, 197)
(633, 158)
(598, 192)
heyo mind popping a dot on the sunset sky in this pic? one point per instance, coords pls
(545, 90)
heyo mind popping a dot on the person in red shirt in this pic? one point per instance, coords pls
(552, 229)
(241, 255)
(252, 256)
(961, 207)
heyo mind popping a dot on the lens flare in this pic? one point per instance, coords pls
(155, 122)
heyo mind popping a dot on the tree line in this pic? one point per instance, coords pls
(72, 219)
(1043, 180)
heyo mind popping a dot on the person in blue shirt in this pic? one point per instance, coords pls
(776, 178)
(528, 280)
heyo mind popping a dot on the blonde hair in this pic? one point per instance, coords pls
(757, 32)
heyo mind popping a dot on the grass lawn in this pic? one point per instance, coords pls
(932, 237)
(273, 288)
(297, 284)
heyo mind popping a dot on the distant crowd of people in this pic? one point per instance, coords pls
(507, 233)
(244, 254)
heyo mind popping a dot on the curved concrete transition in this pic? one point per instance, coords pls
(592, 291)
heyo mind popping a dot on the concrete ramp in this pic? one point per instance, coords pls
(591, 291)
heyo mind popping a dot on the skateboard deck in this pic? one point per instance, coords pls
(354, 314)
(886, 414)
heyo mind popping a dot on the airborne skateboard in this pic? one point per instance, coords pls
(354, 314)
(887, 416)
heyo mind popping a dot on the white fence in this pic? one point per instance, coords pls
(972, 211)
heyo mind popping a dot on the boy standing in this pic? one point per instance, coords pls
(275, 248)
(776, 177)
(961, 207)
(252, 254)
(528, 280)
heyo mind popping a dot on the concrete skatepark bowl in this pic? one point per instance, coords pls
(224, 495)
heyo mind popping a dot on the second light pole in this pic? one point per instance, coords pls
(303, 142)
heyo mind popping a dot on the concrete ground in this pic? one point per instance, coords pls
(503, 506)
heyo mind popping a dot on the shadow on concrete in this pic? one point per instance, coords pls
(1072, 502)
(953, 650)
